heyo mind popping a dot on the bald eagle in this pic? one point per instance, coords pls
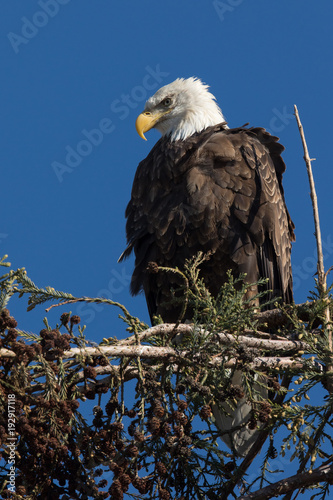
(207, 187)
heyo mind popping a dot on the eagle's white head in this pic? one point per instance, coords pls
(180, 109)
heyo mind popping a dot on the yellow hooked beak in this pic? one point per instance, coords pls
(145, 121)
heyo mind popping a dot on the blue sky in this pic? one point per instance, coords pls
(75, 74)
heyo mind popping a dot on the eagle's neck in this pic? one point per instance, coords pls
(194, 119)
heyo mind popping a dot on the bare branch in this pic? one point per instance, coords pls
(298, 481)
(267, 344)
(158, 330)
(176, 356)
(321, 271)
(249, 339)
(308, 160)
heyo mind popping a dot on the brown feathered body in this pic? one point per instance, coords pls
(217, 191)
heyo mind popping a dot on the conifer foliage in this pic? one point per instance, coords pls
(162, 443)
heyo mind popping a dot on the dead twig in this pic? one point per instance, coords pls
(308, 160)
(322, 276)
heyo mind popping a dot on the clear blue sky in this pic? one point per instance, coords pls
(70, 67)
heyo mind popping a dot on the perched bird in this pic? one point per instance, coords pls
(206, 187)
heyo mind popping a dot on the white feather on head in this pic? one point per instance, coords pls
(193, 108)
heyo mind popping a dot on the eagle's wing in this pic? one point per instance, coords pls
(243, 189)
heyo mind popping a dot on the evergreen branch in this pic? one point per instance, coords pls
(28, 335)
(97, 300)
(10, 282)
(3, 263)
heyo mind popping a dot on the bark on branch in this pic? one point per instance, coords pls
(324, 473)
(126, 348)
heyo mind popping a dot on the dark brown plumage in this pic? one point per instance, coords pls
(219, 190)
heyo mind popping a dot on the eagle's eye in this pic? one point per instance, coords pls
(166, 102)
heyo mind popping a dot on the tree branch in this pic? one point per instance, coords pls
(292, 483)
(178, 357)
(322, 276)
(266, 344)
(249, 339)
(308, 160)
